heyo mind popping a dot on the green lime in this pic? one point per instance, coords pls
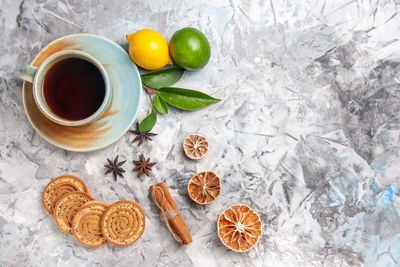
(189, 48)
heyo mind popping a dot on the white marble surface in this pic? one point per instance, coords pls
(307, 133)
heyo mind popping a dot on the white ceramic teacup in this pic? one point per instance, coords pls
(36, 76)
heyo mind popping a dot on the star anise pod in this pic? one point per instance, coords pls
(143, 165)
(141, 136)
(115, 167)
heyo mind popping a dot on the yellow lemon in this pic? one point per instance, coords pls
(148, 49)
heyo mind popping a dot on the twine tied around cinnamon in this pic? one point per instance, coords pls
(167, 215)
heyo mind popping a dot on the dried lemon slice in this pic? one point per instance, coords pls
(195, 146)
(204, 187)
(239, 228)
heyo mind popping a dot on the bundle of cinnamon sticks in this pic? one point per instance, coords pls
(170, 213)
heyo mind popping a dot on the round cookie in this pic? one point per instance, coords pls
(123, 223)
(86, 224)
(66, 208)
(61, 185)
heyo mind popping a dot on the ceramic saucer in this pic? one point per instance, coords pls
(126, 85)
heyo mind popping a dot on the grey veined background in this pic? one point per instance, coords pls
(307, 133)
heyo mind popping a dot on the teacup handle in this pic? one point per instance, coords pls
(28, 73)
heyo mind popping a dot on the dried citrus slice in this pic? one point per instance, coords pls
(204, 187)
(239, 228)
(86, 224)
(195, 146)
(123, 223)
(60, 186)
(66, 208)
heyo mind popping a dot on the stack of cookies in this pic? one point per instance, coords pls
(93, 223)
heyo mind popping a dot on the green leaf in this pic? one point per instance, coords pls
(148, 123)
(161, 106)
(186, 99)
(161, 78)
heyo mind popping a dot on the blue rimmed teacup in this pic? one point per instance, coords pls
(37, 75)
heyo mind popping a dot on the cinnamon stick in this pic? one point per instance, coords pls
(171, 214)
